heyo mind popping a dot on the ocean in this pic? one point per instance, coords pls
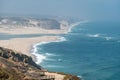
(90, 50)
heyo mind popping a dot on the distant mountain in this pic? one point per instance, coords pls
(29, 22)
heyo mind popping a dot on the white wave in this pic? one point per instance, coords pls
(41, 57)
(61, 39)
(93, 35)
(38, 56)
(80, 77)
(108, 38)
(103, 36)
(60, 60)
(75, 24)
(42, 43)
(50, 54)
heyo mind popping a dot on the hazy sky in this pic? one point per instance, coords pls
(89, 9)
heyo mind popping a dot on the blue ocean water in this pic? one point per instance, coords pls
(91, 50)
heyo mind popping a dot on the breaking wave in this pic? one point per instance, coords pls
(41, 57)
(100, 36)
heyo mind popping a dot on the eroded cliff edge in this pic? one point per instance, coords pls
(17, 66)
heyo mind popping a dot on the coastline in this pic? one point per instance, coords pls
(32, 40)
(24, 45)
(75, 24)
(40, 57)
(28, 46)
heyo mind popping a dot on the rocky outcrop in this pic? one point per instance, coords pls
(17, 66)
(17, 57)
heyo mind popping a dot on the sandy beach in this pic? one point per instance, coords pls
(32, 30)
(24, 45)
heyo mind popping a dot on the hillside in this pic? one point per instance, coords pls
(14, 22)
(16, 66)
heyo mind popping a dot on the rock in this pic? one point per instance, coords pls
(17, 66)
(17, 57)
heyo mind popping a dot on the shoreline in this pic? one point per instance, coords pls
(75, 24)
(60, 39)
(29, 45)
(23, 45)
(40, 57)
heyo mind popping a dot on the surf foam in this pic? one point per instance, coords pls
(75, 24)
(93, 35)
(100, 36)
(41, 57)
(50, 54)
(108, 38)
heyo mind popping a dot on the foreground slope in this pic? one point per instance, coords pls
(17, 66)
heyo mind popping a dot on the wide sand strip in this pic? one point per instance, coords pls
(24, 45)
(32, 30)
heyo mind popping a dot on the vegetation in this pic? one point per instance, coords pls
(6, 74)
(17, 66)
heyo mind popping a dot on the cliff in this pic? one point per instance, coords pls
(17, 66)
(17, 57)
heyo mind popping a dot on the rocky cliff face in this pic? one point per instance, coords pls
(17, 66)
(16, 57)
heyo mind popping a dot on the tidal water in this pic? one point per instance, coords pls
(91, 51)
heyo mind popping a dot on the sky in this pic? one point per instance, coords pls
(88, 9)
